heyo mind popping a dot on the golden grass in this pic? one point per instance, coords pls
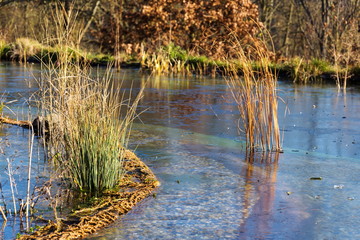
(24, 48)
(255, 93)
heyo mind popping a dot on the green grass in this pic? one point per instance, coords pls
(303, 71)
(176, 53)
(4, 50)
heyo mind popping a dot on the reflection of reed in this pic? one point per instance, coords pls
(162, 82)
(260, 173)
(188, 103)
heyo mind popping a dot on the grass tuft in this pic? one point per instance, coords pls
(256, 96)
(89, 120)
(89, 126)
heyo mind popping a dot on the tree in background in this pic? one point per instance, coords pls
(200, 26)
(35, 19)
(308, 28)
(328, 20)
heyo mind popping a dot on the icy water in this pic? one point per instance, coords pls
(16, 86)
(210, 189)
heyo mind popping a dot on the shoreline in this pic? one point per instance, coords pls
(177, 61)
(138, 183)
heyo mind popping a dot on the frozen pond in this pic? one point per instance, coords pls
(210, 189)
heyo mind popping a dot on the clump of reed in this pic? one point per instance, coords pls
(168, 59)
(89, 126)
(254, 89)
(89, 120)
(172, 59)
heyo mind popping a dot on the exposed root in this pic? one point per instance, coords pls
(139, 182)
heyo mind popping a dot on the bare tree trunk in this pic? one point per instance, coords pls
(267, 9)
(117, 13)
(325, 21)
(286, 37)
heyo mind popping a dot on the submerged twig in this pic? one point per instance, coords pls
(11, 179)
(3, 213)
(29, 179)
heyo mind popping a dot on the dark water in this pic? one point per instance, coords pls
(210, 189)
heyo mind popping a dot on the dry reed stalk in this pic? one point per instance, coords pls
(3, 213)
(256, 98)
(31, 145)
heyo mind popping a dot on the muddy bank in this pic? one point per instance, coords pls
(138, 183)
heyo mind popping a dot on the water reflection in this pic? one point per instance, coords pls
(201, 105)
(260, 172)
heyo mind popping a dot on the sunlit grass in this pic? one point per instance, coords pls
(303, 71)
(89, 119)
(4, 49)
(255, 92)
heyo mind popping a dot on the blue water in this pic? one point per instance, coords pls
(16, 88)
(210, 189)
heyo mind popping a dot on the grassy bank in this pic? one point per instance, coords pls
(172, 59)
(29, 50)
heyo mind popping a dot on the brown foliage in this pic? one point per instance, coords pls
(197, 25)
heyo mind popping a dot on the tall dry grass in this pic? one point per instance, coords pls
(23, 48)
(87, 119)
(89, 125)
(255, 92)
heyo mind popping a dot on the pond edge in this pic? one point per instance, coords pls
(138, 183)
